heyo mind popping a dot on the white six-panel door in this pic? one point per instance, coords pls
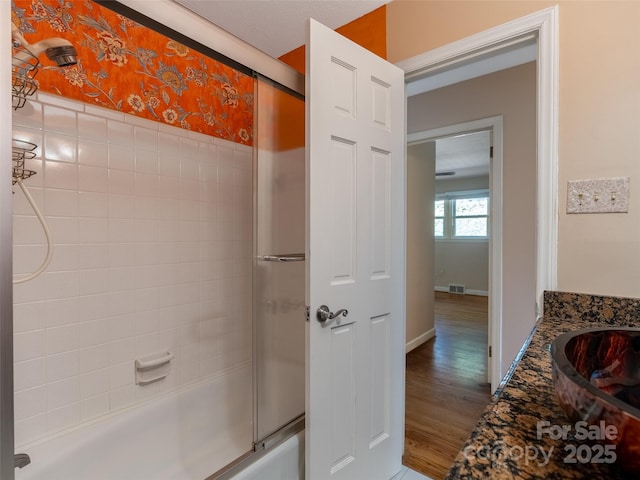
(355, 236)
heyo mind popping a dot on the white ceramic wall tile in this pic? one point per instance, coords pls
(94, 358)
(32, 291)
(29, 116)
(35, 165)
(91, 307)
(60, 175)
(28, 134)
(225, 143)
(170, 188)
(121, 375)
(29, 345)
(93, 204)
(123, 350)
(93, 153)
(61, 203)
(95, 406)
(168, 145)
(63, 229)
(169, 165)
(146, 138)
(120, 133)
(121, 182)
(30, 429)
(27, 230)
(91, 127)
(224, 156)
(145, 302)
(93, 230)
(94, 383)
(189, 165)
(62, 311)
(28, 374)
(29, 316)
(146, 185)
(65, 258)
(105, 113)
(60, 148)
(62, 366)
(27, 259)
(50, 99)
(144, 218)
(61, 418)
(93, 256)
(93, 179)
(121, 157)
(122, 397)
(141, 122)
(60, 120)
(146, 161)
(146, 254)
(29, 402)
(62, 339)
(63, 392)
(93, 281)
(200, 137)
(93, 333)
(122, 303)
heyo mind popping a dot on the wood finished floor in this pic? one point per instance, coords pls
(446, 384)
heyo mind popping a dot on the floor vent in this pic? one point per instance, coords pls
(459, 289)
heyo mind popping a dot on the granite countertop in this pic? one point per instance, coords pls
(505, 443)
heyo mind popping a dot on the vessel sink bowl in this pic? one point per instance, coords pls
(596, 376)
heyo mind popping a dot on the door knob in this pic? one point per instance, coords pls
(323, 313)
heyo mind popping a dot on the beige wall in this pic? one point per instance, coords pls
(510, 93)
(463, 262)
(420, 194)
(599, 117)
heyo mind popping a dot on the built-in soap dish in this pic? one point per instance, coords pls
(152, 368)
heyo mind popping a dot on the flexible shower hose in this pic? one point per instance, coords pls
(47, 234)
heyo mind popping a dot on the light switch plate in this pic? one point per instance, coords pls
(603, 195)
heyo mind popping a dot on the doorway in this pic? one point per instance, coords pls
(493, 127)
(543, 27)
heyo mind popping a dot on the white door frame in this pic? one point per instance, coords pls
(494, 124)
(544, 26)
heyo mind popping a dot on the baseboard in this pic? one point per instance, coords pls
(420, 339)
(480, 293)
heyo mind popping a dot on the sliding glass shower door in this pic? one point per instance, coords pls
(279, 273)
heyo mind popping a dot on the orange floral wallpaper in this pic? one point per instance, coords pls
(127, 67)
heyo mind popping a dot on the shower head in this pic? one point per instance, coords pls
(57, 49)
(64, 55)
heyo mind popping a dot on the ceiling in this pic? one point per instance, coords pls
(278, 26)
(467, 155)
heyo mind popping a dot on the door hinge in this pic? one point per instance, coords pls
(490, 351)
(491, 151)
(307, 310)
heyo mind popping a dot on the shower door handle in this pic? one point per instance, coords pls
(290, 257)
(323, 314)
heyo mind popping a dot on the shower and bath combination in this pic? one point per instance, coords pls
(24, 66)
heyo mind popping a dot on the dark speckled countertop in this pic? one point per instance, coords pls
(506, 443)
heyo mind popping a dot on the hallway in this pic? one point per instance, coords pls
(446, 384)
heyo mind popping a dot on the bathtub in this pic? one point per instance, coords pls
(187, 435)
(284, 462)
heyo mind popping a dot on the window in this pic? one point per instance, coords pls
(462, 215)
